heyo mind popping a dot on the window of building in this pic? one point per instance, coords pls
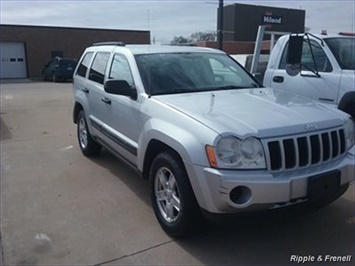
(57, 54)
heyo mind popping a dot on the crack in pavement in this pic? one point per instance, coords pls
(135, 253)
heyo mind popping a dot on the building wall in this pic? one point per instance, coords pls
(42, 42)
(241, 21)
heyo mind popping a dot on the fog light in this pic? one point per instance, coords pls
(240, 195)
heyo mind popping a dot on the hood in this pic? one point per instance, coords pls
(259, 112)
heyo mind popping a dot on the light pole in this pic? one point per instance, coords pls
(220, 25)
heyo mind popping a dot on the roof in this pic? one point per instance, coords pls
(154, 49)
(328, 36)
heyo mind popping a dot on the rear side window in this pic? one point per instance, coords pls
(84, 65)
(98, 68)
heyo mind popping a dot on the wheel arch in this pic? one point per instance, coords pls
(347, 99)
(154, 148)
(77, 108)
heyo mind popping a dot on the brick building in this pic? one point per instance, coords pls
(24, 50)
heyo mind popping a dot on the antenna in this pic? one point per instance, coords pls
(150, 42)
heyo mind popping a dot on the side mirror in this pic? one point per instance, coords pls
(295, 45)
(294, 54)
(120, 87)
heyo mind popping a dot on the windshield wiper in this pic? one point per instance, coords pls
(176, 91)
(231, 87)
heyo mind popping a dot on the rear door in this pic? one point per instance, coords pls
(95, 91)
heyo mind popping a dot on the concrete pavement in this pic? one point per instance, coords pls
(61, 208)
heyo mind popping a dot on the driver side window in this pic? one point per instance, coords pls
(321, 60)
(120, 69)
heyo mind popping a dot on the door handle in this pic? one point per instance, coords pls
(278, 79)
(85, 90)
(106, 100)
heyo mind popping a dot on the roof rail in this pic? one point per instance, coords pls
(109, 43)
(347, 33)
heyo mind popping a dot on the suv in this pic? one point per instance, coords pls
(59, 69)
(206, 134)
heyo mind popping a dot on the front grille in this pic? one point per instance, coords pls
(304, 150)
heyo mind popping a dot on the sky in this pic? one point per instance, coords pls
(165, 19)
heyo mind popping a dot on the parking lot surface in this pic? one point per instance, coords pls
(61, 208)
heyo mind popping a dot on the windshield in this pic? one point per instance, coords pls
(343, 50)
(169, 73)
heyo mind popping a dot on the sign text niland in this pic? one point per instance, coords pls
(267, 19)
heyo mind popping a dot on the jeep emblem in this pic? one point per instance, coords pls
(310, 126)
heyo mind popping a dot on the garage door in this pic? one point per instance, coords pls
(13, 60)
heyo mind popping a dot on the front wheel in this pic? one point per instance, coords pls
(350, 109)
(88, 146)
(172, 197)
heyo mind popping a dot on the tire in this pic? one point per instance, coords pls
(350, 109)
(88, 146)
(172, 197)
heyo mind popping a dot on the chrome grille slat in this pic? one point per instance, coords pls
(301, 151)
(320, 148)
(338, 138)
(330, 145)
(309, 151)
(283, 160)
(296, 153)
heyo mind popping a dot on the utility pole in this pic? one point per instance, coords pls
(220, 25)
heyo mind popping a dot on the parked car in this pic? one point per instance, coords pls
(59, 69)
(208, 136)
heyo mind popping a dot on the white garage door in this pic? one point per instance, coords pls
(13, 60)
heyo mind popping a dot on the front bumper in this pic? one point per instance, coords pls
(230, 191)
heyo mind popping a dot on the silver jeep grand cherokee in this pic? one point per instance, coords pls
(207, 134)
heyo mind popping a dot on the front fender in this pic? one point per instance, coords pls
(189, 142)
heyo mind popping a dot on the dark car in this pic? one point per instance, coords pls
(59, 69)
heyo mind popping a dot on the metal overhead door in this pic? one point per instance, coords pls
(13, 60)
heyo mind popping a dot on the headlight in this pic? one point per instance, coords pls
(234, 153)
(349, 133)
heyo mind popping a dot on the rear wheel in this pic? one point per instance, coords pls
(172, 196)
(88, 146)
